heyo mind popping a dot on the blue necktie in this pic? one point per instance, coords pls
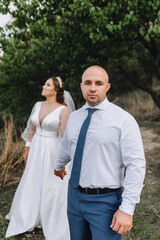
(76, 169)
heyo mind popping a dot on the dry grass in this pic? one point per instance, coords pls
(147, 215)
(139, 104)
(11, 151)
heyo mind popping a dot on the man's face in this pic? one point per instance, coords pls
(94, 85)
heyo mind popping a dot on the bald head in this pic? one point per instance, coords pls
(95, 85)
(95, 69)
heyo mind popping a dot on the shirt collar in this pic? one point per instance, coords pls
(102, 106)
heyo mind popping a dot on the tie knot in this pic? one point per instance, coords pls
(91, 110)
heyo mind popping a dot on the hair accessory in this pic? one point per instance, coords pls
(60, 81)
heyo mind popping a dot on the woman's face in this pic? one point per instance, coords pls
(48, 89)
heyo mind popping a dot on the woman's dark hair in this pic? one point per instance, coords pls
(59, 90)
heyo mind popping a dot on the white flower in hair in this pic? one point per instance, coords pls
(60, 81)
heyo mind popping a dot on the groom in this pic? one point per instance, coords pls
(102, 140)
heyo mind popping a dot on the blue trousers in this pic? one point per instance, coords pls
(90, 215)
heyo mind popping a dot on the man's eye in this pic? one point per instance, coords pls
(99, 83)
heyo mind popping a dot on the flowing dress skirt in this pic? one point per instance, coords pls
(41, 197)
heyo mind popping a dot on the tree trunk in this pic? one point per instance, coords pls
(155, 94)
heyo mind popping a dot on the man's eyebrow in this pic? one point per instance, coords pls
(87, 80)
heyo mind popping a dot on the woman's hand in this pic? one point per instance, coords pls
(61, 173)
(25, 155)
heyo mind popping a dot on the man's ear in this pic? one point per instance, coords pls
(108, 87)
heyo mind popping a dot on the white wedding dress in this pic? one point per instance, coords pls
(41, 197)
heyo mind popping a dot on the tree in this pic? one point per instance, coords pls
(64, 37)
(125, 34)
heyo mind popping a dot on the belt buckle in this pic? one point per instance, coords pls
(86, 190)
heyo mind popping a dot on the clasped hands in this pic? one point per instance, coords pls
(61, 173)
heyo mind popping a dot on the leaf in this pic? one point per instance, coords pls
(149, 3)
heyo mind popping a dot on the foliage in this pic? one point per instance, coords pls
(64, 37)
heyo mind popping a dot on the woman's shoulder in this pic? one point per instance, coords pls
(64, 110)
(63, 107)
(38, 103)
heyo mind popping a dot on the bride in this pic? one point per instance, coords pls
(41, 198)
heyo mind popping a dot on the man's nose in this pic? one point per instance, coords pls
(93, 87)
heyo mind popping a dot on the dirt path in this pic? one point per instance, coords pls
(147, 216)
(151, 139)
(147, 213)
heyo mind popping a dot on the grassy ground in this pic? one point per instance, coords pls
(147, 214)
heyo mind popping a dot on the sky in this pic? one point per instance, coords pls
(4, 19)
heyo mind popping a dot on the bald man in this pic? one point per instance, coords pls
(97, 207)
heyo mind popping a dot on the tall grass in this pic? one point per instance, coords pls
(138, 103)
(11, 151)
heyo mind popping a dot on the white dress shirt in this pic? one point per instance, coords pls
(113, 143)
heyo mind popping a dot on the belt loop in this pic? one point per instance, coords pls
(97, 190)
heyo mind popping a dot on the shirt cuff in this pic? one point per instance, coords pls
(127, 207)
(58, 168)
(27, 144)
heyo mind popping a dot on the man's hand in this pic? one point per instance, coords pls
(121, 222)
(61, 173)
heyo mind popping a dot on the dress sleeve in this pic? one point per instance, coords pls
(30, 129)
(63, 120)
(63, 156)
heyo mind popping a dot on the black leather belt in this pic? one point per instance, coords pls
(97, 190)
